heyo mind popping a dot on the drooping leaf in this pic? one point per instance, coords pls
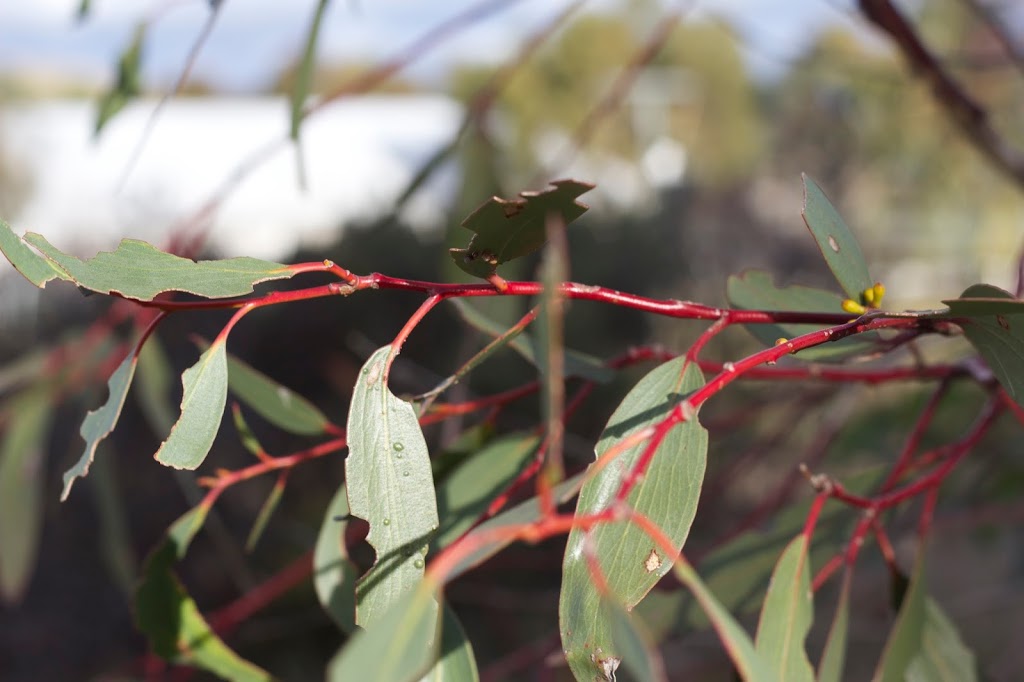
(278, 404)
(836, 242)
(100, 423)
(22, 450)
(993, 321)
(787, 615)
(169, 617)
(455, 660)
(399, 647)
(128, 84)
(907, 634)
(943, 657)
(30, 264)
(640, 657)
(751, 665)
(667, 495)
(468, 491)
(390, 485)
(512, 228)
(140, 271)
(266, 511)
(205, 393)
(334, 574)
(755, 290)
(833, 658)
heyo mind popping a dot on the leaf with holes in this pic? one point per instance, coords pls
(787, 615)
(667, 495)
(390, 486)
(205, 393)
(993, 321)
(836, 242)
(334, 573)
(507, 229)
(31, 265)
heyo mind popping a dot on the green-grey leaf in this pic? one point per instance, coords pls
(640, 657)
(304, 73)
(755, 290)
(153, 386)
(128, 84)
(469, 490)
(266, 511)
(99, 423)
(906, 636)
(667, 495)
(278, 404)
(140, 271)
(837, 243)
(31, 265)
(205, 393)
(509, 229)
(943, 657)
(833, 658)
(993, 321)
(390, 485)
(455, 661)
(21, 489)
(787, 615)
(169, 617)
(334, 574)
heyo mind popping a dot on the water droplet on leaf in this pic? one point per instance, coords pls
(418, 563)
(398, 446)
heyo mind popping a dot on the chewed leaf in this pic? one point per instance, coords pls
(141, 271)
(507, 229)
(30, 264)
(837, 243)
(205, 387)
(787, 615)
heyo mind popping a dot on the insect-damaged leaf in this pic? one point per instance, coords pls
(667, 495)
(507, 229)
(205, 387)
(141, 271)
(30, 264)
(787, 615)
(836, 242)
(390, 485)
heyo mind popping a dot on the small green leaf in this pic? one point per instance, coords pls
(248, 439)
(640, 657)
(390, 485)
(455, 661)
(993, 321)
(787, 615)
(836, 242)
(170, 619)
(399, 647)
(755, 290)
(31, 265)
(509, 229)
(140, 271)
(278, 404)
(22, 457)
(266, 511)
(100, 423)
(334, 574)
(943, 657)
(469, 490)
(833, 658)
(205, 393)
(667, 495)
(128, 85)
(906, 636)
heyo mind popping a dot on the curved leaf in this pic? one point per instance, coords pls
(202, 406)
(833, 658)
(667, 495)
(836, 242)
(390, 485)
(278, 404)
(30, 264)
(787, 615)
(334, 574)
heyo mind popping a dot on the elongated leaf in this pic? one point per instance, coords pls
(266, 511)
(22, 451)
(390, 485)
(943, 657)
(512, 228)
(906, 636)
(401, 645)
(787, 615)
(128, 84)
(993, 321)
(202, 406)
(101, 422)
(468, 491)
(755, 290)
(667, 495)
(304, 73)
(170, 618)
(577, 364)
(334, 574)
(837, 243)
(30, 264)
(455, 661)
(153, 386)
(141, 271)
(640, 657)
(833, 657)
(278, 404)
(750, 664)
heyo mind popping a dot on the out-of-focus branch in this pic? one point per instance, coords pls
(988, 14)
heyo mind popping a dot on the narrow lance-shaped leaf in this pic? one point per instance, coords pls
(31, 265)
(787, 615)
(128, 84)
(276, 403)
(833, 658)
(836, 242)
(455, 661)
(205, 387)
(140, 271)
(266, 511)
(334, 574)
(943, 657)
(169, 617)
(512, 228)
(667, 495)
(304, 72)
(390, 485)
(906, 636)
